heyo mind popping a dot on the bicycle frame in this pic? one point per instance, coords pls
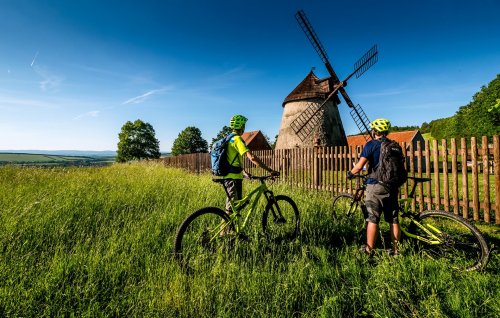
(404, 212)
(404, 205)
(238, 205)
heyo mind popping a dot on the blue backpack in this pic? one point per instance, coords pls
(218, 158)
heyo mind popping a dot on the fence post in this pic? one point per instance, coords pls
(465, 179)
(428, 170)
(316, 167)
(486, 179)
(454, 175)
(419, 170)
(437, 181)
(496, 167)
(446, 187)
(412, 171)
(475, 185)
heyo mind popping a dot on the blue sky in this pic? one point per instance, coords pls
(73, 72)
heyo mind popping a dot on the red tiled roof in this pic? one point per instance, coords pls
(255, 140)
(310, 87)
(399, 136)
(248, 136)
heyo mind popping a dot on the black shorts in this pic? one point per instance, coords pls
(379, 199)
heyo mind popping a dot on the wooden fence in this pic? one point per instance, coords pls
(465, 174)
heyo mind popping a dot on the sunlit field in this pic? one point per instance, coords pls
(97, 242)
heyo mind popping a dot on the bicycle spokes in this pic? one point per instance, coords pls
(202, 238)
(281, 218)
(442, 237)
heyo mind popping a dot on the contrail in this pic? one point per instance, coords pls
(33, 62)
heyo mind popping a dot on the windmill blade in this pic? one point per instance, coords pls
(306, 26)
(305, 123)
(308, 120)
(361, 120)
(316, 43)
(366, 61)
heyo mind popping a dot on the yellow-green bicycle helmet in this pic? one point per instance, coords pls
(237, 122)
(380, 125)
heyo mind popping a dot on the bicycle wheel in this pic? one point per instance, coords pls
(281, 219)
(345, 205)
(461, 244)
(201, 237)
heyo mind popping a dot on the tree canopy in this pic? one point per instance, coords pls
(481, 117)
(137, 141)
(189, 141)
(222, 133)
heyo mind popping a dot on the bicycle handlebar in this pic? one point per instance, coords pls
(261, 178)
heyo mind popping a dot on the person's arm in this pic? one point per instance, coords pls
(256, 161)
(359, 166)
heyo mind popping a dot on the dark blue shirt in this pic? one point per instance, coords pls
(371, 151)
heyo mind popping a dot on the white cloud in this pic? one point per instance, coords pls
(49, 81)
(141, 98)
(7, 102)
(94, 113)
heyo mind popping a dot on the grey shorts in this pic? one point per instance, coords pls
(234, 188)
(379, 199)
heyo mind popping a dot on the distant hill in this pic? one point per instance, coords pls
(79, 153)
(51, 159)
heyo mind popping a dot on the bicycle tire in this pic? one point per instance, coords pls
(463, 245)
(345, 204)
(200, 237)
(281, 219)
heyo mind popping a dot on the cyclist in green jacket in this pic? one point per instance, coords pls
(235, 152)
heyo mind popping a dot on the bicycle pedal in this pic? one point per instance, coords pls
(280, 221)
(243, 237)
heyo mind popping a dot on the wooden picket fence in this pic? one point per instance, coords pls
(465, 174)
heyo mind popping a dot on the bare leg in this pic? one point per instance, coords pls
(395, 236)
(371, 235)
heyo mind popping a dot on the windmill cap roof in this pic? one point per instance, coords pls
(310, 87)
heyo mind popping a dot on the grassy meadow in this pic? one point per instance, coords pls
(97, 241)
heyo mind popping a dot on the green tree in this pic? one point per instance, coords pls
(496, 107)
(189, 141)
(222, 133)
(481, 117)
(425, 128)
(137, 141)
(403, 128)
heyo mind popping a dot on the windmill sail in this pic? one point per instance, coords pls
(307, 122)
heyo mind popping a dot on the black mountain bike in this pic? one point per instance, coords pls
(439, 234)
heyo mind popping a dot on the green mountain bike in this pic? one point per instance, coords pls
(439, 234)
(209, 232)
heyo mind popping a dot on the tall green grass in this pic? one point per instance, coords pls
(90, 242)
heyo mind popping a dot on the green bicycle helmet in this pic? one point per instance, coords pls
(237, 122)
(381, 125)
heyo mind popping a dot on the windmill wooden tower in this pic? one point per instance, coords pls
(311, 116)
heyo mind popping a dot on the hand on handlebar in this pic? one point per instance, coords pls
(275, 173)
(350, 175)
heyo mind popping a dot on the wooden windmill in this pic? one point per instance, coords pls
(311, 115)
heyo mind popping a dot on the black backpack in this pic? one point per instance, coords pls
(218, 158)
(390, 171)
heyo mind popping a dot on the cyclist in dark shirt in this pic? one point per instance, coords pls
(378, 197)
